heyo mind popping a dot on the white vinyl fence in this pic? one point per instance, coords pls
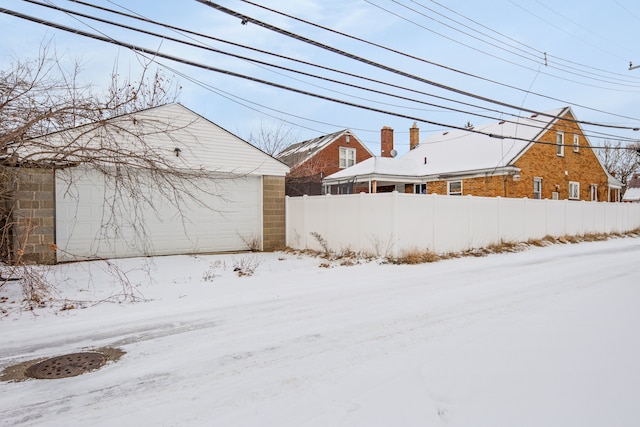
(388, 223)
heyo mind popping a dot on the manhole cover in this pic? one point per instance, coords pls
(65, 366)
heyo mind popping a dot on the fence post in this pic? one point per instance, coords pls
(305, 222)
(499, 203)
(287, 216)
(434, 228)
(394, 223)
(469, 233)
(361, 219)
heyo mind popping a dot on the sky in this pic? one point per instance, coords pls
(468, 61)
(544, 337)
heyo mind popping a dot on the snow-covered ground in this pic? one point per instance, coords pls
(545, 337)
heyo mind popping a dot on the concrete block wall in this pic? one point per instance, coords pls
(31, 197)
(273, 213)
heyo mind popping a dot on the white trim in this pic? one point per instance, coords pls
(576, 143)
(560, 143)
(593, 190)
(539, 192)
(346, 157)
(574, 190)
(449, 193)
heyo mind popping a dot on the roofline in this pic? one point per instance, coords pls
(544, 130)
(503, 170)
(230, 133)
(326, 144)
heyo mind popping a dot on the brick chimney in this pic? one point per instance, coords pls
(386, 141)
(414, 136)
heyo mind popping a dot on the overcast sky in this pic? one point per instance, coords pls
(535, 54)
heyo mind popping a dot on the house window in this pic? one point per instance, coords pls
(576, 143)
(574, 190)
(420, 189)
(454, 188)
(347, 157)
(560, 143)
(537, 188)
(594, 192)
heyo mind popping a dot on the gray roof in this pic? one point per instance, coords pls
(300, 152)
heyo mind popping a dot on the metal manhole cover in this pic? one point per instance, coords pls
(65, 366)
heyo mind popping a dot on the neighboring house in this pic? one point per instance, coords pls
(632, 194)
(73, 211)
(312, 160)
(545, 156)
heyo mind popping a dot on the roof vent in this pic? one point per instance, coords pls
(444, 133)
(534, 115)
(501, 122)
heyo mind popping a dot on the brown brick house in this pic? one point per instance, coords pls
(545, 156)
(312, 160)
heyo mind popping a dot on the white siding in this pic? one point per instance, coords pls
(90, 225)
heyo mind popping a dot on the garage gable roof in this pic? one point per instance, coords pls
(184, 138)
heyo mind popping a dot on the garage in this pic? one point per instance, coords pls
(92, 222)
(208, 191)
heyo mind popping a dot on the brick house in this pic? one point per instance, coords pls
(312, 160)
(545, 156)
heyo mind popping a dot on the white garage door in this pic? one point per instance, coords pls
(94, 221)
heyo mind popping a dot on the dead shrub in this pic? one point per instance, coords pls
(323, 243)
(246, 266)
(416, 256)
(253, 242)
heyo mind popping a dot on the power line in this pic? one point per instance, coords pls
(534, 51)
(245, 18)
(155, 54)
(280, 67)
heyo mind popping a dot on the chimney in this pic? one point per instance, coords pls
(386, 140)
(414, 137)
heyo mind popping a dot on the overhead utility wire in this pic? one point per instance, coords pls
(549, 55)
(565, 17)
(291, 59)
(71, 12)
(153, 53)
(540, 60)
(311, 64)
(256, 61)
(499, 57)
(229, 96)
(556, 26)
(245, 18)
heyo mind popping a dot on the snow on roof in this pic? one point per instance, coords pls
(381, 166)
(461, 150)
(301, 151)
(632, 195)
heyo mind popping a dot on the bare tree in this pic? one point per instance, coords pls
(50, 120)
(620, 160)
(272, 137)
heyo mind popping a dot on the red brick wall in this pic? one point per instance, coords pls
(327, 161)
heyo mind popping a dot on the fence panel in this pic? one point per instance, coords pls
(388, 223)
